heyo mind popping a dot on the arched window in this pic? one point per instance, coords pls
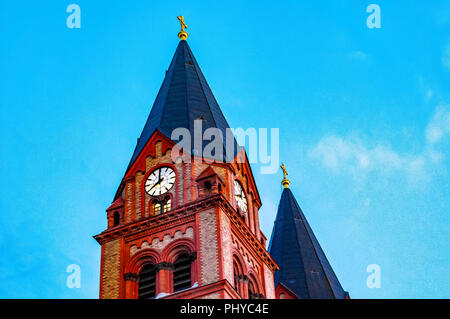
(208, 188)
(182, 272)
(167, 204)
(116, 217)
(236, 273)
(251, 290)
(156, 208)
(147, 282)
(162, 206)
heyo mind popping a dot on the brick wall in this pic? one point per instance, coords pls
(139, 180)
(212, 296)
(226, 246)
(129, 193)
(111, 270)
(268, 281)
(208, 251)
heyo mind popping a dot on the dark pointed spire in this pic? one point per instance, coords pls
(304, 268)
(184, 96)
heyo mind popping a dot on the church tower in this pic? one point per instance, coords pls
(305, 272)
(182, 225)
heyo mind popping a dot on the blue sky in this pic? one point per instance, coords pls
(364, 118)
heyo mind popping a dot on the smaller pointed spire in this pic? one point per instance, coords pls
(285, 182)
(182, 34)
(304, 268)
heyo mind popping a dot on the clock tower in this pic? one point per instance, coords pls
(182, 225)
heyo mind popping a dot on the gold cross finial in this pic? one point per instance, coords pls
(285, 182)
(182, 34)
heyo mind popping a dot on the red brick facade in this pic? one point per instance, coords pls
(229, 259)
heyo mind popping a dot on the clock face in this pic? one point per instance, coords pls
(160, 181)
(239, 194)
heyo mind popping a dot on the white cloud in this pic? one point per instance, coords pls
(425, 89)
(356, 156)
(439, 126)
(337, 153)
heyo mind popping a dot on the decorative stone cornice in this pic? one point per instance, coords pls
(170, 218)
(178, 216)
(250, 241)
(243, 278)
(130, 277)
(164, 265)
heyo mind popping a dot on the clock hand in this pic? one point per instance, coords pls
(159, 181)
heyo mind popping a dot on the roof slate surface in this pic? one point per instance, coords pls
(304, 268)
(184, 96)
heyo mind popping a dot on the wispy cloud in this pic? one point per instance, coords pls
(439, 126)
(352, 154)
(428, 95)
(358, 156)
(425, 89)
(360, 56)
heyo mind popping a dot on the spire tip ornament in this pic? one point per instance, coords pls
(182, 34)
(285, 182)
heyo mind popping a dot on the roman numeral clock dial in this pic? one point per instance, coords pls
(160, 181)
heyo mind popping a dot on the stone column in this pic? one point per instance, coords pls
(131, 280)
(243, 282)
(165, 273)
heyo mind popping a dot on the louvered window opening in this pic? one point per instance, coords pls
(251, 291)
(236, 277)
(182, 273)
(147, 282)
